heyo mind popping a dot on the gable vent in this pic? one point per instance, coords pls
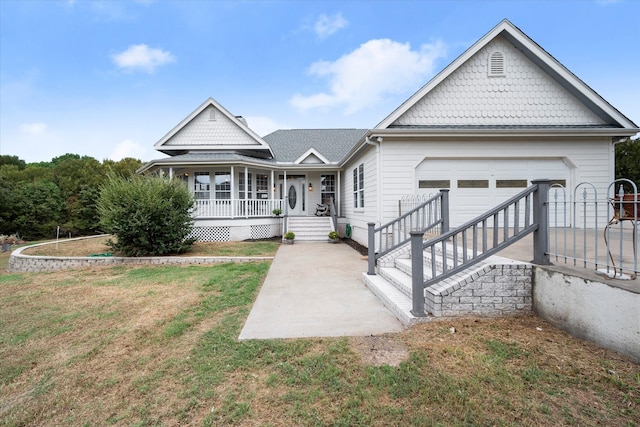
(496, 64)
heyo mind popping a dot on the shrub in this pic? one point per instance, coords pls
(289, 235)
(148, 215)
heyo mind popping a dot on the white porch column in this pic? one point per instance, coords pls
(170, 172)
(273, 185)
(233, 192)
(338, 193)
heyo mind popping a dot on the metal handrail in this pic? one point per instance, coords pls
(535, 213)
(396, 233)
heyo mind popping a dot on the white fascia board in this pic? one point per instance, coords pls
(212, 102)
(504, 133)
(534, 52)
(309, 152)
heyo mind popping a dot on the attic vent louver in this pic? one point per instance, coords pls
(212, 114)
(496, 64)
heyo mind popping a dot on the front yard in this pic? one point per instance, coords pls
(157, 346)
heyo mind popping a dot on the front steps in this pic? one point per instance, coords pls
(494, 287)
(310, 228)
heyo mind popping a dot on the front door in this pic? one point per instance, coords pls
(296, 196)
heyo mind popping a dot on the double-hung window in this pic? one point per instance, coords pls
(201, 185)
(223, 185)
(327, 188)
(244, 186)
(358, 186)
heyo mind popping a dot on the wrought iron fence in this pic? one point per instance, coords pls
(592, 230)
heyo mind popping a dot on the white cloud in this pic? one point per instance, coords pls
(128, 148)
(264, 125)
(141, 57)
(33, 128)
(374, 70)
(328, 25)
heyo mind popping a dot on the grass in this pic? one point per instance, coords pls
(158, 346)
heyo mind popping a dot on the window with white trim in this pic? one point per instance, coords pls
(202, 185)
(327, 188)
(223, 185)
(358, 186)
(242, 185)
(262, 186)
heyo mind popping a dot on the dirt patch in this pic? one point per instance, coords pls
(378, 350)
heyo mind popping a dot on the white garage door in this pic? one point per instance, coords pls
(479, 185)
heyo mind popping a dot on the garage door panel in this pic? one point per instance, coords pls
(493, 181)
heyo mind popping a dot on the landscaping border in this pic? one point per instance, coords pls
(22, 263)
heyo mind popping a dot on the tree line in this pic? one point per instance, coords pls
(37, 198)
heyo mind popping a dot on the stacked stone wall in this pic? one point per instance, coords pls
(492, 291)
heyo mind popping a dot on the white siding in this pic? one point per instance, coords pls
(587, 160)
(358, 218)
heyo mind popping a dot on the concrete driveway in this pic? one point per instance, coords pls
(316, 290)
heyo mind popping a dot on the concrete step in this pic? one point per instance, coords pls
(392, 298)
(310, 229)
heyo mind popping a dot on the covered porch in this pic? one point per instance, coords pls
(245, 192)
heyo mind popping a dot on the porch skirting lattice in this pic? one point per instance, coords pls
(212, 233)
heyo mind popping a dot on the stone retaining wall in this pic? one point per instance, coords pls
(21, 263)
(493, 290)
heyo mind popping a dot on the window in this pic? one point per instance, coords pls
(242, 185)
(434, 183)
(201, 185)
(223, 185)
(262, 186)
(358, 186)
(473, 183)
(327, 188)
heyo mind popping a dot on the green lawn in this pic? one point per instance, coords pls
(158, 346)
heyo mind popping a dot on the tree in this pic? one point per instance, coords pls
(79, 180)
(149, 215)
(125, 167)
(628, 161)
(12, 160)
(35, 210)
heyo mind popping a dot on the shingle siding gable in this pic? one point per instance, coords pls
(204, 131)
(524, 96)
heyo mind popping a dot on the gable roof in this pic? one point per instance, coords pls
(591, 103)
(212, 128)
(328, 145)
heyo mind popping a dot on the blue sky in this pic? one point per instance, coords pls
(108, 79)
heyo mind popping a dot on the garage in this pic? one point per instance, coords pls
(477, 185)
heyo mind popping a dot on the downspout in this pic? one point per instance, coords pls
(377, 142)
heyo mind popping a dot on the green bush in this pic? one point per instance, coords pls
(289, 235)
(149, 216)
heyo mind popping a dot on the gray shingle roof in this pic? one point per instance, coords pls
(333, 144)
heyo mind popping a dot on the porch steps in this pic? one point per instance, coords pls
(310, 228)
(392, 283)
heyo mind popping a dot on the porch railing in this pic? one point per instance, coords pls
(428, 216)
(480, 238)
(236, 208)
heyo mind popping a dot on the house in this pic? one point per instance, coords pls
(503, 113)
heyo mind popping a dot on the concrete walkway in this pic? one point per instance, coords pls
(316, 290)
